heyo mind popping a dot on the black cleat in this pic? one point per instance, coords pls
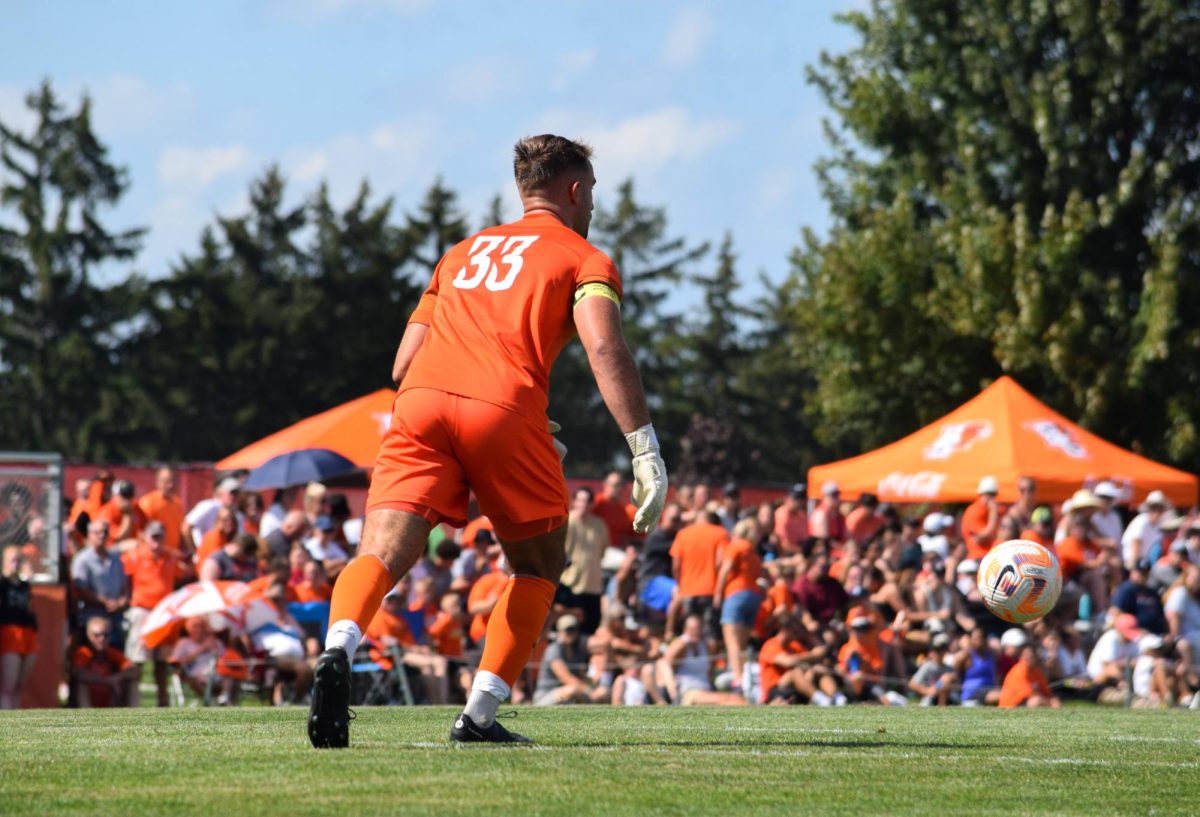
(465, 731)
(329, 715)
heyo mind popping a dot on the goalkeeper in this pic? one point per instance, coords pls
(473, 372)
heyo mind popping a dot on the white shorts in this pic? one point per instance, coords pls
(279, 644)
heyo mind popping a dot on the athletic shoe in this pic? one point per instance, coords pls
(329, 714)
(465, 731)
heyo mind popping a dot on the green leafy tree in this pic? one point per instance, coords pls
(61, 385)
(1014, 189)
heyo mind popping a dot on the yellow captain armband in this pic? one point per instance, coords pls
(596, 288)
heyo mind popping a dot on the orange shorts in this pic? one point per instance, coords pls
(18, 639)
(440, 447)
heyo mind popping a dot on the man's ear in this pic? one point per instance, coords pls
(574, 192)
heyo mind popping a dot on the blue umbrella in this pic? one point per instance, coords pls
(298, 467)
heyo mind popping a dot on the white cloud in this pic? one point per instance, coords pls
(689, 34)
(642, 145)
(196, 168)
(122, 104)
(570, 66)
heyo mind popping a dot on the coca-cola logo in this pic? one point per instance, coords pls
(921, 485)
(957, 437)
(1057, 436)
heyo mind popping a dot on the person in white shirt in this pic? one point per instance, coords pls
(1107, 524)
(323, 547)
(1114, 650)
(1143, 537)
(1183, 621)
(201, 518)
(272, 518)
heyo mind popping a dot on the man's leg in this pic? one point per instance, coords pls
(392, 542)
(516, 622)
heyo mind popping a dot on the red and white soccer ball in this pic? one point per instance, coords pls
(1020, 580)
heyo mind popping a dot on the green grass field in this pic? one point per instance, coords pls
(796, 761)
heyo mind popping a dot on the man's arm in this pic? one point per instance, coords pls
(414, 336)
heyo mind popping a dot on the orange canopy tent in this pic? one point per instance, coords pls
(1004, 432)
(352, 429)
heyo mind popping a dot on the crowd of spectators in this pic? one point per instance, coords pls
(802, 600)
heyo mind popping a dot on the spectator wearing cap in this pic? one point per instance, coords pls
(861, 660)
(153, 571)
(474, 560)
(981, 519)
(236, 561)
(564, 673)
(1041, 528)
(1083, 563)
(933, 538)
(791, 520)
(323, 546)
(826, 521)
(203, 516)
(582, 582)
(864, 521)
(164, 506)
(1025, 685)
(125, 520)
(1107, 525)
(1135, 596)
(1012, 641)
(731, 506)
(99, 583)
(935, 680)
(1143, 537)
(1114, 652)
(1183, 620)
(1018, 517)
(1168, 569)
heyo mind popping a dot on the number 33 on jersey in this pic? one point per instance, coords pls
(485, 270)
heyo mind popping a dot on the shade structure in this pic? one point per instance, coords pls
(234, 606)
(299, 467)
(1004, 432)
(353, 430)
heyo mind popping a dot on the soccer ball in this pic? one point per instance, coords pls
(1020, 580)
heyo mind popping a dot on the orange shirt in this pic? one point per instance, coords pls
(109, 662)
(862, 523)
(1072, 553)
(1032, 535)
(213, 541)
(1021, 683)
(112, 514)
(747, 565)
(867, 649)
(446, 635)
(974, 520)
(769, 671)
(385, 624)
(499, 311)
(152, 578)
(473, 527)
(612, 512)
(306, 591)
(697, 547)
(487, 586)
(264, 581)
(165, 509)
(791, 527)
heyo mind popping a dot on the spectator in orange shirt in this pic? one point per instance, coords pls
(484, 595)
(223, 532)
(981, 520)
(864, 521)
(125, 520)
(152, 572)
(790, 670)
(1026, 685)
(791, 520)
(1083, 563)
(861, 660)
(315, 585)
(826, 520)
(694, 556)
(737, 595)
(1041, 529)
(163, 505)
(610, 507)
(101, 675)
(446, 634)
(389, 629)
(252, 507)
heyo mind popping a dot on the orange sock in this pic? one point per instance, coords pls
(359, 590)
(515, 625)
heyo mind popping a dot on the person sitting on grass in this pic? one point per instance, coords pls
(862, 658)
(101, 674)
(976, 665)
(564, 675)
(791, 671)
(685, 670)
(935, 680)
(1025, 685)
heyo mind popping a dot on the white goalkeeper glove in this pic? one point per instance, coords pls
(649, 478)
(554, 428)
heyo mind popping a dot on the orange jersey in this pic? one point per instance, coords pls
(747, 565)
(863, 523)
(165, 509)
(211, 542)
(769, 671)
(446, 635)
(1072, 554)
(307, 591)
(868, 650)
(152, 579)
(1031, 535)
(615, 517)
(111, 513)
(1021, 683)
(974, 520)
(697, 547)
(487, 586)
(499, 311)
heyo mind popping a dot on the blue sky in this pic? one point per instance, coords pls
(703, 104)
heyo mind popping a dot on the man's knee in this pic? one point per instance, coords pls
(543, 556)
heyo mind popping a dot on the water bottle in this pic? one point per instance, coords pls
(1085, 607)
(855, 662)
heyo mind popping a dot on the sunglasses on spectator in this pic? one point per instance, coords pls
(99, 634)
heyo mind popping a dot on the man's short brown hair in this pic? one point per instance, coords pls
(538, 159)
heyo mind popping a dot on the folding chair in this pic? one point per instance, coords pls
(373, 684)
